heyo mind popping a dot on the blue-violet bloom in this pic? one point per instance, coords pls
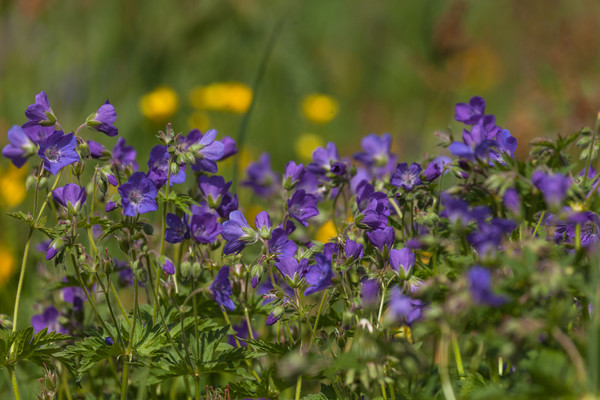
(58, 151)
(138, 195)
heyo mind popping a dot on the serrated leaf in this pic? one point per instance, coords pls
(21, 216)
(278, 349)
(89, 351)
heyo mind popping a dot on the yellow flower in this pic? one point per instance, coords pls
(251, 213)
(7, 265)
(199, 120)
(306, 144)
(12, 186)
(326, 232)
(226, 96)
(319, 108)
(159, 104)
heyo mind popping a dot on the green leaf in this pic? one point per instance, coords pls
(278, 349)
(39, 348)
(89, 351)
(21, 216)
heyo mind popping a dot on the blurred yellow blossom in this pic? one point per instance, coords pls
(12, 186)
(326, 232)
(251, 213)
(319, 108)
(159, 104)
(7, 265)
(222, 96)
(306, 144)
(199, 120)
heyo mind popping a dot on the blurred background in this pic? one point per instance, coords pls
(338, 70)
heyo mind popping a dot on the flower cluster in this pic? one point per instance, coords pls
(384, 263)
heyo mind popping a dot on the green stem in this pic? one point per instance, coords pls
(298, 387)
(114, 292)
(90, 299)
(239, 345)
(13, 381)
(21, 279)
(383, 298)
(538, 224)
(317, 318)
(457, 356)
(130, 345)
(382, 385)
(197, 387)
(26, 250)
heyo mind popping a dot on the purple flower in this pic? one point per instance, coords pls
(205, 148)
(138, 195)
(38, 133)
(318, 275)
(470, 114)
(168, 266)
(279, 244)
(554, 187)
(261, 178)
(213, 189)
(40, 113)
(204, 227)
(293, 173)
(262, 222)
(565, 231)
(237, 232)
(229, 148)
(177, 230)
(480, 286)
(229, 203)
(242, 332)
(507, 144)
(435, 168)
(325, 160)
(512, 201)
(48, 319)
(54, 248)
(302, 206)
(403, 309)
(74, 295)
(58, 151)
(70, 196)
(406, 177)
(20, 146)
(110, 205)
(382, 238)
(221, 289)
(488, 236)
(96, 149)
(108, 341)
(376, 150)
(352, 250)
(123, 155)
(369, 291)
(403, 258)
(158, 167)
(103, 120)
(292, 268)
(458, 211)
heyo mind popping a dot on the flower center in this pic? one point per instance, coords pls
(52, 154)
(135, 196)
